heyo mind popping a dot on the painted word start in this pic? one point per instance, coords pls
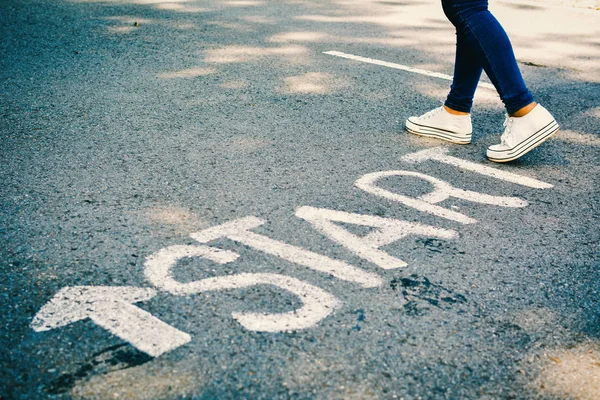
(112, 307)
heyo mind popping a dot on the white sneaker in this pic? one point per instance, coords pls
(440, 124)
(523, 134)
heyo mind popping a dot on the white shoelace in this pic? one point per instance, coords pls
(431, 113)
(507, 128)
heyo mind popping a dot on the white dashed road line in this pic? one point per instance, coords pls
(401, 67)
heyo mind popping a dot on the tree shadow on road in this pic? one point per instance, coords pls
(100, 94)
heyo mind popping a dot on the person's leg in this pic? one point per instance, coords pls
(452, 121)
(528, 124)
(485, 45)
(467, 72)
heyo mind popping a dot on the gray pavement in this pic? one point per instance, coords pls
(129, 128)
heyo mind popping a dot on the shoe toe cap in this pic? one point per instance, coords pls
(497, 150)
(411, 122)
(498, 147)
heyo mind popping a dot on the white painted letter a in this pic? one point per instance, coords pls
(367, 247)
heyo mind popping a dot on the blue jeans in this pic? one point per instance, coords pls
(482, 44)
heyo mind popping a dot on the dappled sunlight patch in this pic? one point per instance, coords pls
(234, 84)
(529, 5)
(536, 39)
(128, 19)
(574, 137)
(488, 98)
(178, 7)
(583, 182)
(571, 373)
(298, 37)
(313, 83)
(236, 54)
(573, 55)
(314, 37)
(400, 18)
(535, 319)
(414, 140)
(258, 19)
(183, 27)
(120, 29)
(139, 2)
(389, 41)
(304, 3)
(246, 144)
(328, 19)
(379, 95)
(232, 25)
(188, 73)
(131, 23)
(147, 381)
(433, 66)
(128, 23)
(157, 1)
(185, 220)
(243, 3)
(439, 90)
(439, 41)
(583, 132)
(305, 369)
(386, 41)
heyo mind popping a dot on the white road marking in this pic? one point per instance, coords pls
(441, 154)
(442, 191)
(239, 231)
(157, 266)
(401, 67)
(367, 247)
(111, 308)
(317, 303)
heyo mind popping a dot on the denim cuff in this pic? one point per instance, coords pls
(459, 104)
(515, 103)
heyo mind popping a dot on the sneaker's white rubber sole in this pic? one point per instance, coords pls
(525, 146)
(432, 132)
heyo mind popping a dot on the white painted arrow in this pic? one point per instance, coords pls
(111, 308)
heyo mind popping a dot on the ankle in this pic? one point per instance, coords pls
(524, 111)
(454, 112)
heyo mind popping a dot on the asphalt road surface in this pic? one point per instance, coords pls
(217, 199)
